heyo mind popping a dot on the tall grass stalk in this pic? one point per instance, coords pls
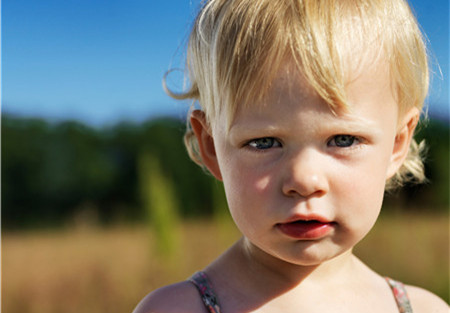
(158, 198)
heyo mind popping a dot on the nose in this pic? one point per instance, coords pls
(305, 174)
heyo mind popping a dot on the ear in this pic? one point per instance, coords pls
(403, 140)
(203, 133)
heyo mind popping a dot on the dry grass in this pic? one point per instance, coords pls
(111, 270)
(412, 248)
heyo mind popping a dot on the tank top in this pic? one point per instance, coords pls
(201, 281)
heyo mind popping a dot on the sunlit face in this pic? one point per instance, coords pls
(304, 184)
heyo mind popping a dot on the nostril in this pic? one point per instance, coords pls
(304, 174)
(306, 186)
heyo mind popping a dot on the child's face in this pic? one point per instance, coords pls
(292, 159)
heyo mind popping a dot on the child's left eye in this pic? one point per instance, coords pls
(342, 141)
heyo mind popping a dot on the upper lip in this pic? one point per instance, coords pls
(306, 217)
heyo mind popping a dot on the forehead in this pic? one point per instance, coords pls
(367, 80)
(358, 64)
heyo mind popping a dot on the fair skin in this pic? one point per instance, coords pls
(304, 185)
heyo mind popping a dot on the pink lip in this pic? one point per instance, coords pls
(306, 227)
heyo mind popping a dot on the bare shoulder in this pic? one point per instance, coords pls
(424, 301)
(179, 297)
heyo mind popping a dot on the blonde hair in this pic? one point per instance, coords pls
(236, 48)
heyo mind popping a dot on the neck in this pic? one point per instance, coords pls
(262, 277)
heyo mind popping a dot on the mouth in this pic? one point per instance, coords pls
(306, 228)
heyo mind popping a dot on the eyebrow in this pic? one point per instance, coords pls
(353, 123)
(237, 130)
(256, 128)
(343, 123)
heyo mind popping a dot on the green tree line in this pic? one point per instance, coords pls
(51, 172)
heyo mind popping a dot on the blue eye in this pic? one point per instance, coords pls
(342, 141)
(264, 143)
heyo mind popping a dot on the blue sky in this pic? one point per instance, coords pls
(101, 61)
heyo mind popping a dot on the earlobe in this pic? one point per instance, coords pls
(203, 133)
(403, 140)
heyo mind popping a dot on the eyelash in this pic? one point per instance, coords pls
(275, 143)
(353, 140)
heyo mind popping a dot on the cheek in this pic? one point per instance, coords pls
(261, 184)
(361, 194)
(245, 191)
(244, 181)
(368, 175)
(248, 192)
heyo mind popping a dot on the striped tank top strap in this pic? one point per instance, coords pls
(201, 281)
(400, 295)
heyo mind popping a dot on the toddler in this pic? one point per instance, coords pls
(307, 113)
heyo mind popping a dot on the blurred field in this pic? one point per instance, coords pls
(110, 270)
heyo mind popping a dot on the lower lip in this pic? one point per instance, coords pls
(306, 230)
